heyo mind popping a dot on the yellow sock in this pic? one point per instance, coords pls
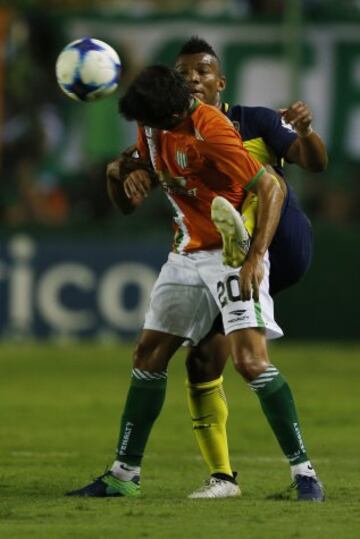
(249, 209)
(209, 412)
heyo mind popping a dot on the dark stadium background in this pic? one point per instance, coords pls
(75, 277)
(70, 266)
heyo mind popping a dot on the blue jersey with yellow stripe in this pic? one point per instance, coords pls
(268, 139)
(264, 133)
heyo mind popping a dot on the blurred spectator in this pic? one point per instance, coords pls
(28, 195)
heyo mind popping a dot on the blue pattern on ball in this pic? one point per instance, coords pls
(86, 45)
(80, 89)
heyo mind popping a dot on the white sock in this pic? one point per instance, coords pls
(305, 468)
(124, 471)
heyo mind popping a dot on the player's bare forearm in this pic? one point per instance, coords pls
(308, 150)
(270, 201)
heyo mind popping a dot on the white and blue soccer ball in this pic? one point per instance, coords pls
(88, 69)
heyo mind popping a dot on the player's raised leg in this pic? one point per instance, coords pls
(236, 228)
(235, 238)
(143, 405)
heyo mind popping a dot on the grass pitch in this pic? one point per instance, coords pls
(60, 408)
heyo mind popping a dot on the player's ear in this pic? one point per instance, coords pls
(221, 83)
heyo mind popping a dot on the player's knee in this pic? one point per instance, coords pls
(142, 356)
(149, 357)
(154, 351)
(193, 365)
(249, 364)
(200, 369)
(197, 369)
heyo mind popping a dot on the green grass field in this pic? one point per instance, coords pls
(60, 408)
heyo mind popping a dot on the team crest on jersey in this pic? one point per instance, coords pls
(181, 159)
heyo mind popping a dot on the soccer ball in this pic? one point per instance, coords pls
(88, 69)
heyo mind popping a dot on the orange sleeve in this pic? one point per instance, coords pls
(222, 145)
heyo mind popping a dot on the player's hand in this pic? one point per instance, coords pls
(251, 275)
(113, 170)
(299, 116)
(137, 186)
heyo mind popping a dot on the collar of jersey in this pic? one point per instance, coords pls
(194, 105)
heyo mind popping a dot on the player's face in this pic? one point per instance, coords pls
(202, 71)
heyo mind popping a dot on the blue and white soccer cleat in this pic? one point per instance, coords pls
(309, 489)
(108, 485)
(235, 238)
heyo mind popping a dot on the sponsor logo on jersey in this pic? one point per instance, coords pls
(176, 185)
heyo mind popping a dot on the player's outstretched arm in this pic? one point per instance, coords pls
(308, 150)
(270, 201)
(129, 180)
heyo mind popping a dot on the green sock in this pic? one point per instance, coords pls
(278, 405)
(143, 405)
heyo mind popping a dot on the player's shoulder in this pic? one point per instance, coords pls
(257, 114)
(203, 110)
(254, 122)
(207, 117)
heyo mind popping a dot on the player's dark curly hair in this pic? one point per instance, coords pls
(196, 45)
(155, 96)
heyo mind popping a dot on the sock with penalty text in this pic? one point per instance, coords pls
(279, 408)
(143, 405)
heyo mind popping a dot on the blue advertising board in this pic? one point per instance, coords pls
(73, 290)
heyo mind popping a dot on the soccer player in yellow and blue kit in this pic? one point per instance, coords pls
(272, 137)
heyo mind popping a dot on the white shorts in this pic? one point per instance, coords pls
(193, 289)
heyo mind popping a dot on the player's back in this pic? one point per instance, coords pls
(201, 158)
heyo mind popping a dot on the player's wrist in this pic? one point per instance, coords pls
(306, 133)
(255, 255)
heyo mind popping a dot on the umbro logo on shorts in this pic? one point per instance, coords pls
(240, 315)
(238, 312)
